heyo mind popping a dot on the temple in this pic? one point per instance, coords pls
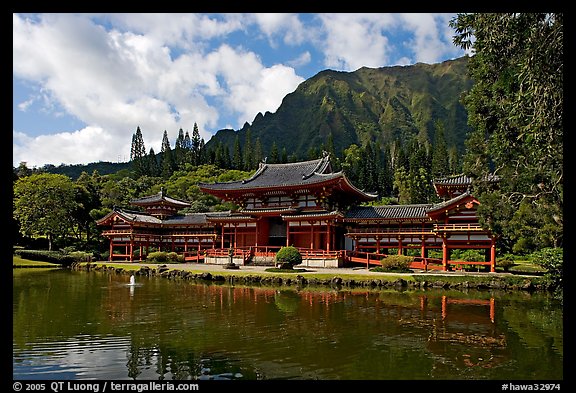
(309, 206)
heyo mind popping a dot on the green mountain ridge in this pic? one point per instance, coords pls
(377, 104)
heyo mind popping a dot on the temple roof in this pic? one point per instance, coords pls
(160, 197)
(146, 218)
(461, 180)
(395, 212)
(290, 175)
(388, 212)
(282, 175)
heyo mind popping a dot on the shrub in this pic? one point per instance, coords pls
(397, 263)
(157, 256)
(287, 257)
(551, 259)
(505, 263)
(57, 257)
(172, 257)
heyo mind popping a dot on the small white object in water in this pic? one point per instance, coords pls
(132, 280)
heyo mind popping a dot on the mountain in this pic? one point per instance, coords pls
(378, 104)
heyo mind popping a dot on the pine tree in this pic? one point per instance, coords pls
(179, 153)
(197, 146)
(248, 152)
(440, 165)
(274, 158)
(153, 168)
(167, 158)
(237, 162)
(258, 153)
(138, 154)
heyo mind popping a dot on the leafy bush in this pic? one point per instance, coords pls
(505, 263)
(551, 259)
(397, 263)
(162, 256)
(157, 256)
(57, 257)
(287, 257)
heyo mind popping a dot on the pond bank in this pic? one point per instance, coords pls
(333, 278)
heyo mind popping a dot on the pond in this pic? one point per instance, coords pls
(93, 325)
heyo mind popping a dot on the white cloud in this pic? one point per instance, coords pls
(114, 81)
(87, 145)
(301, 60)
(432, 38)
(288, 25)
(355, 40)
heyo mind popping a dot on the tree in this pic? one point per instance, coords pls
(167, 165)
(249, 163)
(153, 168)
(440, 165)
(44, 205)
(515, 110)
(197, 145)
(179, 153)
(274, 157)
(237, 162)
(138, 154)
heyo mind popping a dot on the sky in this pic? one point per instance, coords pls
(83, 83)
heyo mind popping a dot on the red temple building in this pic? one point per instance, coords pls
(309, 206)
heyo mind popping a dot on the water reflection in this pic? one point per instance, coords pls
(162, 329)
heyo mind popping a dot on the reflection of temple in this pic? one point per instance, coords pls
(307, 205)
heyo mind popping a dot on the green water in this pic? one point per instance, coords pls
(92, 325)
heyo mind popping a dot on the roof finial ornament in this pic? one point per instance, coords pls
(162, 192)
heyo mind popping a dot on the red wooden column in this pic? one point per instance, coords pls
(399, 245)
(492, 255)
(444, 254)
(328, 236)
(131, 248)
(111, 248)
(222, 239)
(311, 234)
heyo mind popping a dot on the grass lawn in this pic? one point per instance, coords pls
(21, 262)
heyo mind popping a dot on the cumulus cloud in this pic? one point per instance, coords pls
(116, 79)
(87, 145)
(355, 40)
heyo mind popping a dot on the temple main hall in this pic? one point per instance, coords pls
(307, 205)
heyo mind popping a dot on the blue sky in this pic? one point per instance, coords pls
(83, 83)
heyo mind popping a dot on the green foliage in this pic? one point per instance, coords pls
(551, 259)
(165, 257)
(56, 257)
(288, 257)
(467, 255)
(516, 111)
(396, 263)
(44, 205)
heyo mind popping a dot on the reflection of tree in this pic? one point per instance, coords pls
(287, 301)
(539, 327)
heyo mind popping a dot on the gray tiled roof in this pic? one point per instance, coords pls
(441, 205)
(161, 196)
(186, 219)
(389, 212)
(461, 180)
(456, 180)
(282, 175)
